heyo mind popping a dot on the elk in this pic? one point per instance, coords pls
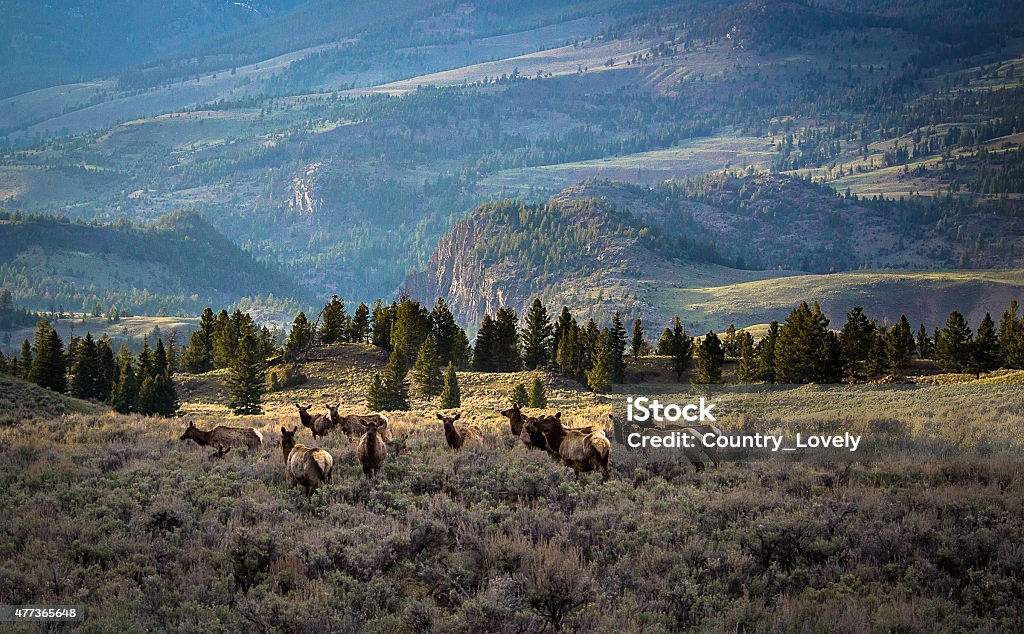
(582, 449)
(372, 450)
(517, 423)
(459, 436)
(698, 455)
(221, 435)
(319, 424)
(308, 466)
(355, 424)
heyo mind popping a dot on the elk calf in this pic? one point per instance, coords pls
(457, 436)
(371, 450)
(222, 435)
(308, 466)
(583, 449)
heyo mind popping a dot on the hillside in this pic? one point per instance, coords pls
(667, 250)
(179, 262)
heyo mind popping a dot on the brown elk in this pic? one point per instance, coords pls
(517, 423)
(457, 436)
(355, 424)
(308, 466)
(582, 449)
(222, 435)
(372, 450)
(319, 424)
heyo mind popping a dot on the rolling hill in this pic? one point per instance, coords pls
(177, 263)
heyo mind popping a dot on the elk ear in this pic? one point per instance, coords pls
(458, 415)
(439, 417)
(283, 432)
(558, 415)
(295, 428)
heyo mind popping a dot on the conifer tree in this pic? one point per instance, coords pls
(126, 393)
(145, 364)
(161, 365)
(537, 336)
(147, 401)
(767, 358)
(299, 337)
(505, 352)
(925, 345)
(450, 397)
(731, 343)
(637, 343)
(25, 360)
(710, 355)
(426, 372)
(247, 380)
(538, 398)
(565, 319)
(664, 348)
(451, 340)
(359, 327)
(375, 394)
(900, 345)
(985, 349)
(395, 390)
(224, 340)
(599, 377)
(382, 320)
(198, 355)
(518, 395)
(483, 352)
(48, 369)
(799, 345)
(747, 370)
(829, 360)
(877, 364)
(335, 326)
(1011, 338)
(953, 347)
(617, 350)
(85, 371)
(571, 354)
(410, 328)
(681, 348)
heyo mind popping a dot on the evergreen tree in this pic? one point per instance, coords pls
(1011, 338)
(451, 340)
(599, 377)
(147, 401)
(565, 319)
(126, 393)
(450, 398)
(617, 343)
(925, 345)
(537, 336)
(299, 337)
(247, 380)
(145, 364)
(335, 326)
(198, 355)
(105, 379)
(48, 369)
(359, 327)
(395, 390)
(538, 398)
(731, 343)
(412, 325)
(483, 353)
(518, 395)
(856, 338)
(85, 370)
(375, 395)
(161, 365)
(505, 352)
(637, 343)
(571, 356)
(829, 360)
(682, 348)
(172, 354)
(767, 369)
(877, 364)
(25, 360)
(953, 347)
(899, 345)
(797, 351)
(747, 370)
(985, 350)
(710, 355)
(382, 319)
(223, 341)
(426, 372)
(664, 348)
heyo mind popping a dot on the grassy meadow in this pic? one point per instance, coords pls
(116, 513)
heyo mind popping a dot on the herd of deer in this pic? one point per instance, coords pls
(581, 448)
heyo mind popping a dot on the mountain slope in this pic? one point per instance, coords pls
(179, 262)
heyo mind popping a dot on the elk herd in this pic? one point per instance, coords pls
(583, 449)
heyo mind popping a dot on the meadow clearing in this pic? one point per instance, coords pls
(149, 533)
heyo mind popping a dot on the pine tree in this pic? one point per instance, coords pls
(145, 364)
(876, 366)
(747, 370)
(126, 393)
(147, 401)
(731, 343)
(985, 350)
(359, 327)
(537, 336)
(299, 337)
(335, 324)
(637, 343)
(161, 365)
(411, 327)
(767, 369)
(710, 355)
(953, 347)
(382, 320)
(599, 377)
(450, 398)
(247, 380)
(25, 360)
(1011, 338)
(538, 399)
(483, 353)
(85, 371)
(682, 348)
(375, 395)
(48, 369)
(505, 352)
(900, 345)
(799, 346)
(395, 390)
(925, 345)
(224, 340)
(617, 343)
(829, 360)
(451, 340)
(664, 348)
(198, 355)
(426, 372)
(565, 319)
(856, 338)
(518, 395)
(571, 355)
